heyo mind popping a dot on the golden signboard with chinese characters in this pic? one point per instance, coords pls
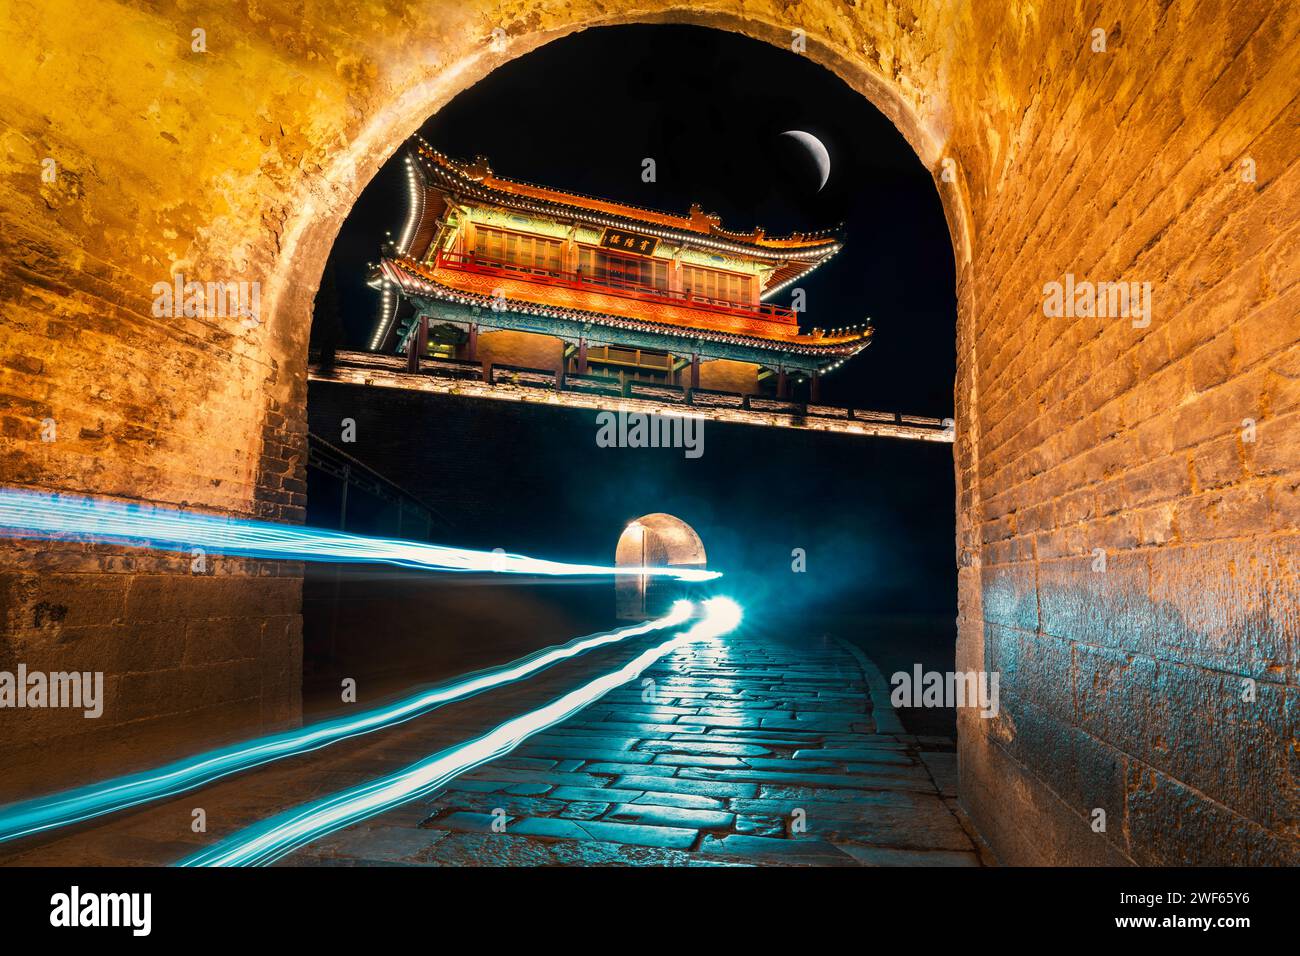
(625, 240)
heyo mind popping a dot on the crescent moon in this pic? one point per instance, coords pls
(817, 150)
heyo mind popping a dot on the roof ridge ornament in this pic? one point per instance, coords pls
(703, 221)
(480, 169)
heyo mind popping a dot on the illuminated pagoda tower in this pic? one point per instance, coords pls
(506, 274)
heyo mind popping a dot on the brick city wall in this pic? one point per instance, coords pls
(1168, 157)
(1171, 450)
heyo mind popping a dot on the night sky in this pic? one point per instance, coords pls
(581, 114)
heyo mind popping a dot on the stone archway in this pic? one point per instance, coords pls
(653, 541)
(232, 147)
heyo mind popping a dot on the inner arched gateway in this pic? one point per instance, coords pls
(654, 541)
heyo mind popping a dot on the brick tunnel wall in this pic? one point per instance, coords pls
(1171, 451)
(1168, 157)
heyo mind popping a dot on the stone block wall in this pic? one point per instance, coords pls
(1129, 521)
(187, 658)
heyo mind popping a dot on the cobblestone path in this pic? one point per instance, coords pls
(754, 750)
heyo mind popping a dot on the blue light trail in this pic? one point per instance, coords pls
(271, 839)
(73, 806)
(26, 514)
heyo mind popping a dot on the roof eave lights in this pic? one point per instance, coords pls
(416, 194)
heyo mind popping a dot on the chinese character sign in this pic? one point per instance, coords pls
(627, 241)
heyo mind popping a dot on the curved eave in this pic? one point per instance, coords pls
(524, 197)
(466, 289)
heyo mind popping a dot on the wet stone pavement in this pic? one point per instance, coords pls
(750, 751)
(753, 750)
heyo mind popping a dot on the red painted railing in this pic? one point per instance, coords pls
(471, 262)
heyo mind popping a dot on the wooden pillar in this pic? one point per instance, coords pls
(782, 384)
(471, 347)
(416, 344)
(816, 386)
(582, 356)
(695, 372)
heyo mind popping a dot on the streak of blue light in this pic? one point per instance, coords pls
(27, 514)
(73, 806)
(279, 835)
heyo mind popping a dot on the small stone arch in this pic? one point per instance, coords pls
(653, 541)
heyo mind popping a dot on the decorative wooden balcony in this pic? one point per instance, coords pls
(611, 285)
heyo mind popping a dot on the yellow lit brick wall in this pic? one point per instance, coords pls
(725, 375)
(521, 349)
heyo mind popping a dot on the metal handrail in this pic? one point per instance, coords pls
(334, 461)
